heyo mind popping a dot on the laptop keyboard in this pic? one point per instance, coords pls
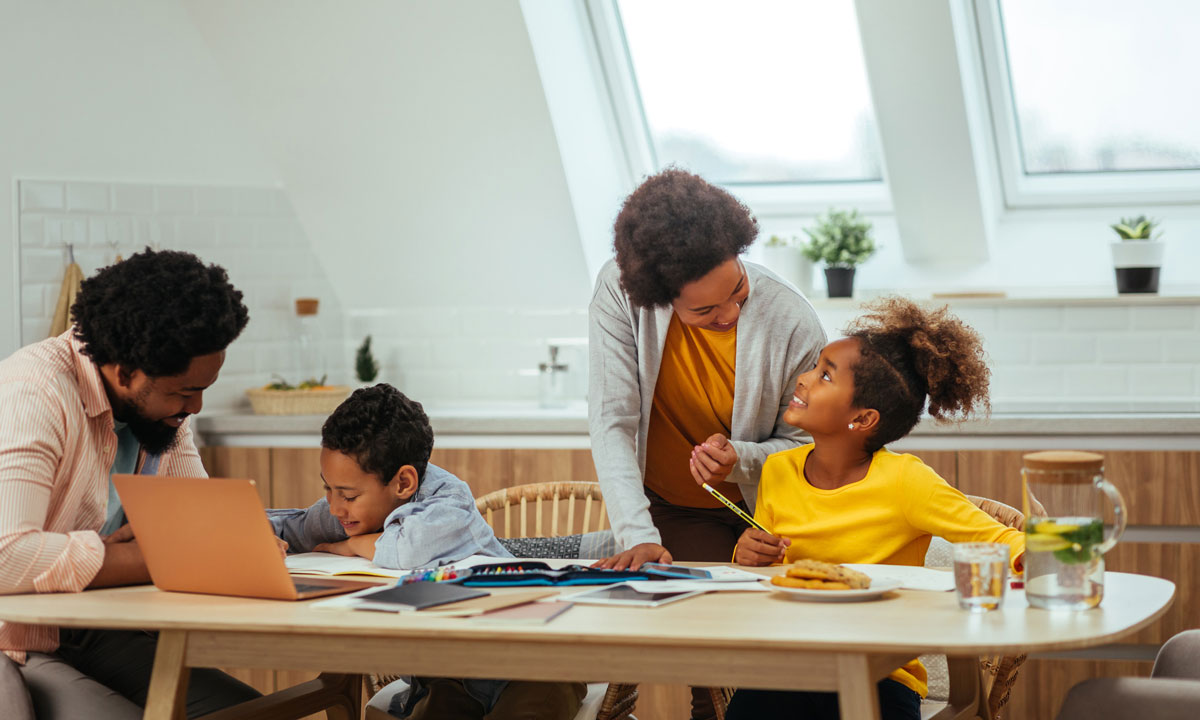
(309, 587)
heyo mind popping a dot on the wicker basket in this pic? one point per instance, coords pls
(297, 402)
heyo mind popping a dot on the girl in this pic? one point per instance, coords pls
(845, 498)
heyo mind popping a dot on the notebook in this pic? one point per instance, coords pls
(416, 596)
(212, 536)
(534, 613)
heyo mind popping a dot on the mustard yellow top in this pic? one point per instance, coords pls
(888, 517)
(693, 399)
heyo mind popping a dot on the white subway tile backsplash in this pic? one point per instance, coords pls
(133, 198)
(215, 201)
(211, 222)
(1096, 318)
(1162, 381)
(1027, 382)
(88, 197)
(1182, 348)
(175, 200)
(33, 230)
(1029, 318)
(1096, 380)
(42, 196)
(1063, 349)
(1009, 348)
(1134, 348)
(1167, 317)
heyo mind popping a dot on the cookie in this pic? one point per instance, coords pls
(817, 570)
(808, 584)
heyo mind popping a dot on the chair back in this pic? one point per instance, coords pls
(998, 673)
(549, 509)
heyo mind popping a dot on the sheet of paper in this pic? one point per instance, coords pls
(909, 576)
(329, 564)
(725, 573)
(701, 585)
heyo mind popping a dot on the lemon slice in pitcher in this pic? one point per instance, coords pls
(1045, 542)
(1053, 528)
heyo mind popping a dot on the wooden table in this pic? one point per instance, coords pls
(753, 640)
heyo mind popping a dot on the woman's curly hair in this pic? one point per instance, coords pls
(908, 354)
(383, 430)
(674, 229)
(156, 311)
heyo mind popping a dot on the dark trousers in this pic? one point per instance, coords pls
(105, 674)
(697, 535)
(896, 702)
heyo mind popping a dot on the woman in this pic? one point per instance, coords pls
(693, 355)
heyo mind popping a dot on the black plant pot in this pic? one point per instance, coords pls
(840, 281)
(1137, 280)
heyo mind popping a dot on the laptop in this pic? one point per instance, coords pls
(212, 536)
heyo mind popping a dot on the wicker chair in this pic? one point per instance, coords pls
(555, 509)
(978, 689)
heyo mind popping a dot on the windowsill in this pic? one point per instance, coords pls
(1022, 297)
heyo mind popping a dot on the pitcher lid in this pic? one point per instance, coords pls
(1064, 460)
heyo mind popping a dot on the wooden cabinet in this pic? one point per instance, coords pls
(1162, 490)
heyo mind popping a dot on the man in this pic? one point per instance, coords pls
(111, 395)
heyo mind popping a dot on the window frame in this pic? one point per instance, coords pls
(1058, 190)
(776, 199)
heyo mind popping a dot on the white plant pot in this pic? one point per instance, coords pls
(1137, 264)
(790, 264)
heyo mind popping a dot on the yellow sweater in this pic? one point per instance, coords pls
(887, 517)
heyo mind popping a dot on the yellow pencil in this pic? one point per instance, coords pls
(733, 507)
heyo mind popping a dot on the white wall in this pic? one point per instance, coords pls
(111, 91)
(415, 142)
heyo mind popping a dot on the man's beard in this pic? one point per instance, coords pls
(155, 436)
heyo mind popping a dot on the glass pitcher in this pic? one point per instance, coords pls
(1064, 528)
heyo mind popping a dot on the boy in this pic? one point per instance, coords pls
(385, 502)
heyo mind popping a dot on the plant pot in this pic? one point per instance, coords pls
(790, 264)
(840, 281)
(1137, 264)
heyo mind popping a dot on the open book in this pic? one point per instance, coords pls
(319, 563)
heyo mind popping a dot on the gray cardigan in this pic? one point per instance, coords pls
(779, 337)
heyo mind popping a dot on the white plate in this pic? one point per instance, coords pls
(876, 591)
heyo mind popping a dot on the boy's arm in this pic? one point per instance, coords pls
(305, 528)
(433, 533)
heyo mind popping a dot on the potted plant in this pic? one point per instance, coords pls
(784, 257)
(841, 240)
(366, 368)
(1137, 256)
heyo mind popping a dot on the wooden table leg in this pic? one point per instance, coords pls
(858, 698)
(167, 696)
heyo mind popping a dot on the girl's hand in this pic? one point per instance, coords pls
(757, 548)
(713, 460)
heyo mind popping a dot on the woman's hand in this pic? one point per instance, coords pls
(758, 548)
(633, 558)
(713, 460)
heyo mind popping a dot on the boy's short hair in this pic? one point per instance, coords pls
(383, 430)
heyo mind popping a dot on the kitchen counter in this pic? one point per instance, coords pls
(526, 425)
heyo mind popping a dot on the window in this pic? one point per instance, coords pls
(1094, 97)
(758, 92)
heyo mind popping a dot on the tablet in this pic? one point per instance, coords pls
(625, 595)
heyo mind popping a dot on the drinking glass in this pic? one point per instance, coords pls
(980, 575)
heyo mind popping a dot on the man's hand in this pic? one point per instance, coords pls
(633, 558)
(123, 534)
(356, 545)
(758, 548)
(712, 461)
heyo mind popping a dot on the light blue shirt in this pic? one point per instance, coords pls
(125, 463)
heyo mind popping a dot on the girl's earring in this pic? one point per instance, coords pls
(851, 426)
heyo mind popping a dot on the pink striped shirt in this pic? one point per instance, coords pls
(57, 446)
